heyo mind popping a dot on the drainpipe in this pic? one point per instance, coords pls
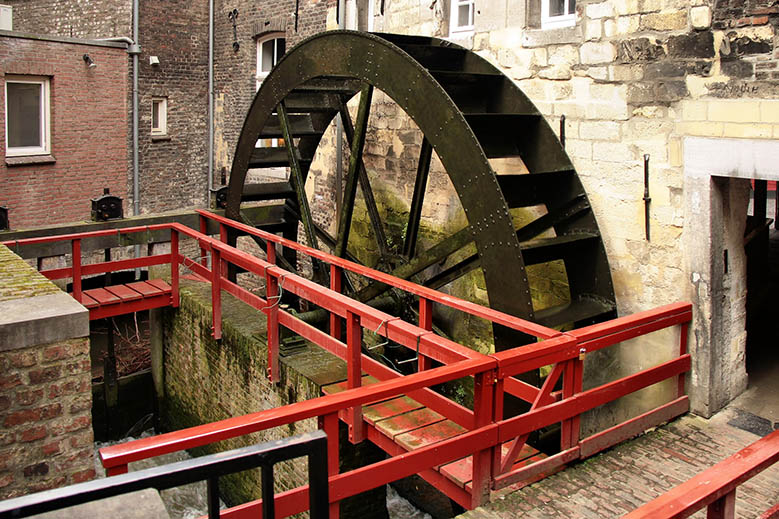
(135, 50)
(210, 100)
(339, 130)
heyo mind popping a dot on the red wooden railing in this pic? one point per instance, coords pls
(494, 375)
(715, 488)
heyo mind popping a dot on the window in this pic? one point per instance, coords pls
(269, 50)
(27, 116)
(159, 116)
(558, 13)
(461, 16)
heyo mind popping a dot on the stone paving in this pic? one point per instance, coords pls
(635, 472)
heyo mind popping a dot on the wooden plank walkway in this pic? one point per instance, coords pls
(124, 299)
(411, 426)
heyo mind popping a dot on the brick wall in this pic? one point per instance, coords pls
(88, 131)
(45, 383)
(235, 71)
(103, 19)
(45, 409)
(174, 170)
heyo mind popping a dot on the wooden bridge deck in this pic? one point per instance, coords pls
(116, 300)
(412, 426)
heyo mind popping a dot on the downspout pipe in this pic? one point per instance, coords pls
(135, 50)
(210, 101)
(339, 130)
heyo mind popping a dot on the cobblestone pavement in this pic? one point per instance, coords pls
(633, 473)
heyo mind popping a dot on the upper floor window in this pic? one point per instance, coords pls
(27, 116)
(159, 116)
(558, 13)
(270, 49)
(461, 20)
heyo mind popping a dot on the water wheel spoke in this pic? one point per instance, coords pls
(435, 254)
(365, 185)
(355, 163)
(415, 211)
(531, 230)
(298, 180)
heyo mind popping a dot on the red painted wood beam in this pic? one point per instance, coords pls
(718, 482)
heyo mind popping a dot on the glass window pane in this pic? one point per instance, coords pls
(464, 15)
(24, 114)
(281, 48)
(155, 115)
(556, 7)
(571, 6)
(267, 56)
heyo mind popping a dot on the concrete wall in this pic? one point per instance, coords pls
(45, 390)
(88, 129)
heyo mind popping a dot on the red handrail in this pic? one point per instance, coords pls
(715, 488)
(494, 375)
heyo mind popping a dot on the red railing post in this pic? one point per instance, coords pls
(270, 252)
(174, 268)
(75, 247)
(335, 285)
(223, 239)
(483, 392)
(354, 371)
(216, 293)
(329, 424)
(572, 384)
(272, 296)
(203, 230)
(426, 323)
(723, 508)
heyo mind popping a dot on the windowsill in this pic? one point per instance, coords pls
(544, 37)
(159, 138)
(25, 160)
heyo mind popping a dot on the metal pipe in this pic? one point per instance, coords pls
(210, 101)
(339, 131)
(562, 130)
(135, 51)
(647, 198)
(136, 167)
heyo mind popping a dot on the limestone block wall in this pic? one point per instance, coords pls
(636, 77)
(45, 383)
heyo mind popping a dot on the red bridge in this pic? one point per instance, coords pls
(464, 452)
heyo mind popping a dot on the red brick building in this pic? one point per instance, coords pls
(64, 131)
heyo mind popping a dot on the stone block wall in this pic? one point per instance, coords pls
(45, 383)
(88, 129)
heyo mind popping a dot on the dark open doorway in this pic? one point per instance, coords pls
(761, 243)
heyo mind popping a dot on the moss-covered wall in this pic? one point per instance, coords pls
(207, 380)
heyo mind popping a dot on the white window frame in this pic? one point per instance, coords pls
(454, 28)
(162, 128)
(45, 117)
(260, 77)
(556, 22)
